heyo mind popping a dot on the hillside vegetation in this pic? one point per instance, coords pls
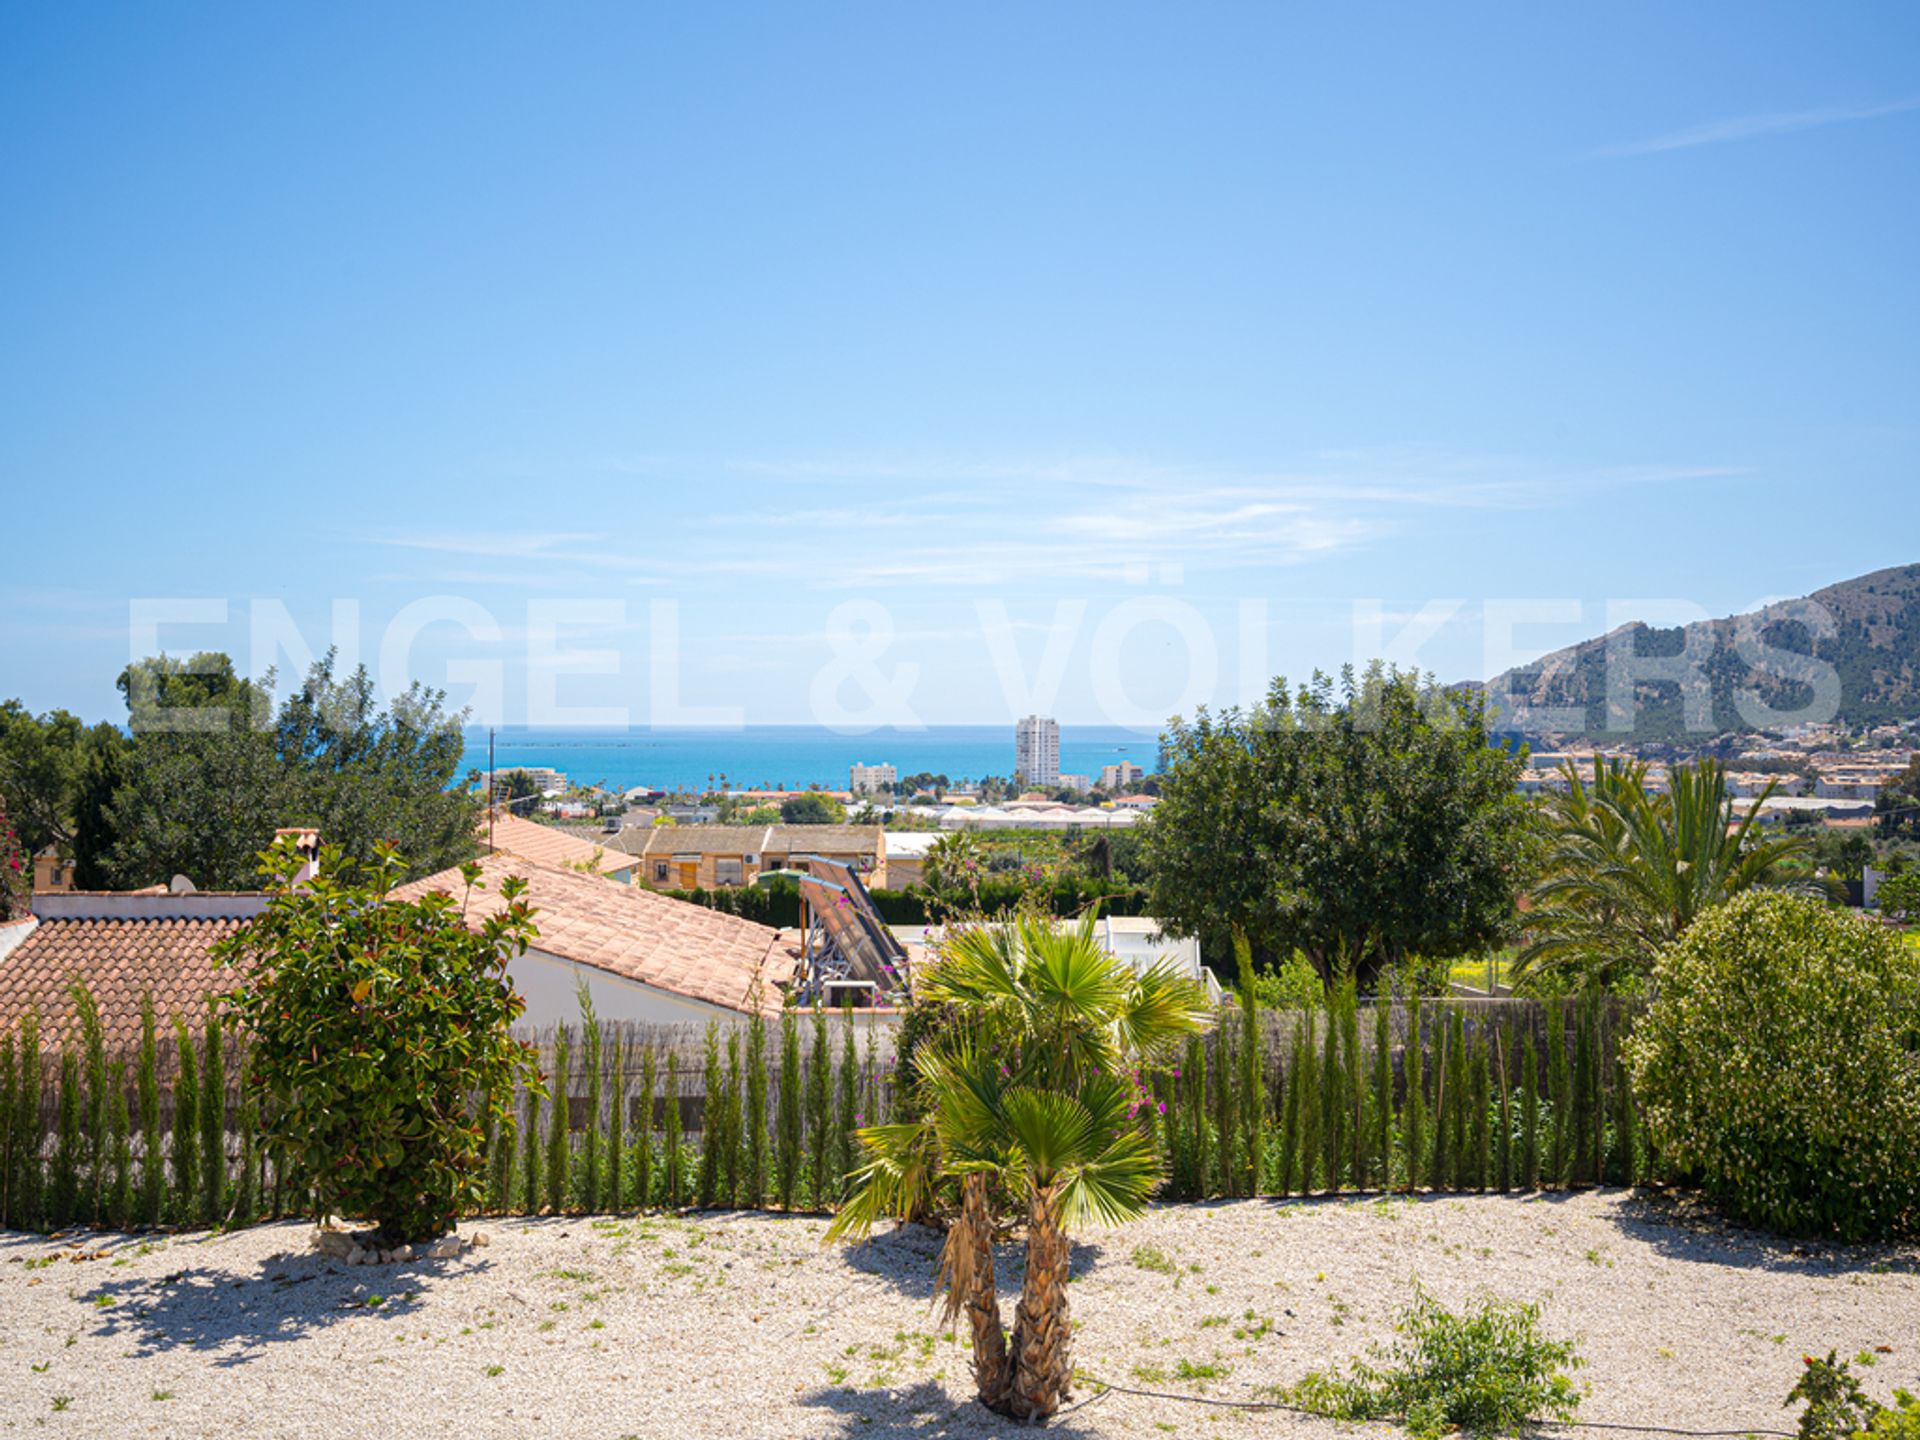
(1872, 645)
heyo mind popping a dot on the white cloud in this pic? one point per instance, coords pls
(1755, 127)
(929, 522)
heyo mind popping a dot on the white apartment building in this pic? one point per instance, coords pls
(866, 779)
(1849, 785)
(1119, 776)
(1036, 750)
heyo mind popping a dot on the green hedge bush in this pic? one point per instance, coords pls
(1778, 1068)
(380, 1048)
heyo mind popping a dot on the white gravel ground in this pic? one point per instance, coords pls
(744, 1325)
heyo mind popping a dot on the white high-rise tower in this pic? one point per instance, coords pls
(1036, 750)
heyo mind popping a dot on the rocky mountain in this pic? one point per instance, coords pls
(1849, 652)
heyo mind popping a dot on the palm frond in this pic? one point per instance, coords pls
(1052, 1128)
(1112, 1187)
(894, 1179)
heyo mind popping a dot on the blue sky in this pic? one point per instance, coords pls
(1099, 326)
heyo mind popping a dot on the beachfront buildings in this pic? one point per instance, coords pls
(1120, 775)
(1036, 750)
(864, 779)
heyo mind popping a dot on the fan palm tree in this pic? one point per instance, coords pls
(1627, 871)
(1026, 1089)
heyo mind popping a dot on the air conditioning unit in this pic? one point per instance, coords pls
(750, 859)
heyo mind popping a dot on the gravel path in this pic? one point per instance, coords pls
(744, 1325)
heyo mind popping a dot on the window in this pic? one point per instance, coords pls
(660, 870)
(726, 871)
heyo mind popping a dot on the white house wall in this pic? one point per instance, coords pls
(551, 987)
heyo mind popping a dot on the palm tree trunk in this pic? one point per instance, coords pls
(966, 1270)
(1042, 1336)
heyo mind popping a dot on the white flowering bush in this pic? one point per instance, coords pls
(1778, 1067)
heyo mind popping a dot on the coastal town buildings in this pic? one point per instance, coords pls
(866, 779)
(1036, 750)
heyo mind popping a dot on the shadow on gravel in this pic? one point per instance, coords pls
(922, 1409)
(291, 1297)
(907, 1257)
(1683, 1227)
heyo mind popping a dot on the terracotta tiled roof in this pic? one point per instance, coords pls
(666, 841)
(630, 842)
(835, 839)
(685, 949)
(120, 961)
(547, 845)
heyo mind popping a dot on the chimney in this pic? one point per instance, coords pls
(307, 842)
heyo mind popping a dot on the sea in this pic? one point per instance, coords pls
(790, 757)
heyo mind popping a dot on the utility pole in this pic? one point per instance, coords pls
(493, 791)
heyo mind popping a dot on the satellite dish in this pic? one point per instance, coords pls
(180, 885)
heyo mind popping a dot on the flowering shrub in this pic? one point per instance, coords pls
(1837, 1406)
(16, 875)
(1778, 1067)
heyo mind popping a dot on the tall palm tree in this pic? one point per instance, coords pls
(1025, 1089)
(1628, 871)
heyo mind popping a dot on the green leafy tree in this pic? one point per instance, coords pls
(1899, 896)
(47, 765)
(1898, 804)
(1026, 1091)
(1362, 823)
(813, 808)
(379, 1037)
(213, 771)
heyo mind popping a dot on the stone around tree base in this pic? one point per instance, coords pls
(362, 1248)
